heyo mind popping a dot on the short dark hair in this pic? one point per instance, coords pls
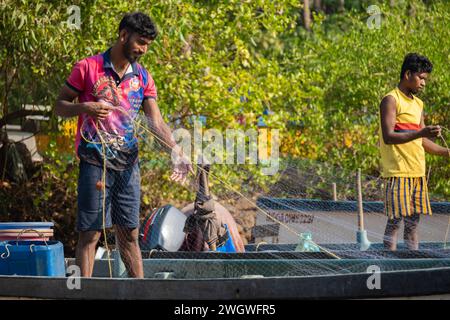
(416, 63)
(140, 23)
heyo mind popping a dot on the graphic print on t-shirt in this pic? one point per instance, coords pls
(95, 80)
(113, 137)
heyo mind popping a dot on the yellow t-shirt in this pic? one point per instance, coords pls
(407, 159)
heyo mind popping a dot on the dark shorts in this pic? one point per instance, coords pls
(122, 198)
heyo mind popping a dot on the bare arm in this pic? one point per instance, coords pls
(157, 124)
(182, 164)
(388, 113)
(431, 147)
(65, 107)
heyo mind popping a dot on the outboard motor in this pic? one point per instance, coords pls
(201, 226)
(163, 229)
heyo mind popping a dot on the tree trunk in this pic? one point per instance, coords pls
(5, 94)
(341, 7)
(412, 10)
(318, 5)
(306, 15)
(392, 3)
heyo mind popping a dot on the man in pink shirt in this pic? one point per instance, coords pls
(111, 88)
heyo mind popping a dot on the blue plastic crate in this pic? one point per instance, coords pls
(32, 258)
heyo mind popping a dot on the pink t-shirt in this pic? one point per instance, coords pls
(95, 80)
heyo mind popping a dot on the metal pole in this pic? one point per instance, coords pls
(334, 192)
(360, 202)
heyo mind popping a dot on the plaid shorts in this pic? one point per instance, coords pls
(406, 196)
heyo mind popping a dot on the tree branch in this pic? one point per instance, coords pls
(21, 114)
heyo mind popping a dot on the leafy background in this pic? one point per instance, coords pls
(229, 61)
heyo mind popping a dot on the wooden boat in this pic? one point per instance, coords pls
(272, 272)
(264, 271)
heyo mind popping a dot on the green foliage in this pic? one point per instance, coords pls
(35, 48)
(49, 195)
(224, 59)
(343, 69)
(362, 65)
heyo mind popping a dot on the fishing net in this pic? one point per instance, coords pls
(245, 212)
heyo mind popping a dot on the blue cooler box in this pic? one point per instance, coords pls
(26, 225)
(32, 258)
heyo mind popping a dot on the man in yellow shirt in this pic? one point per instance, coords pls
(405, 139)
